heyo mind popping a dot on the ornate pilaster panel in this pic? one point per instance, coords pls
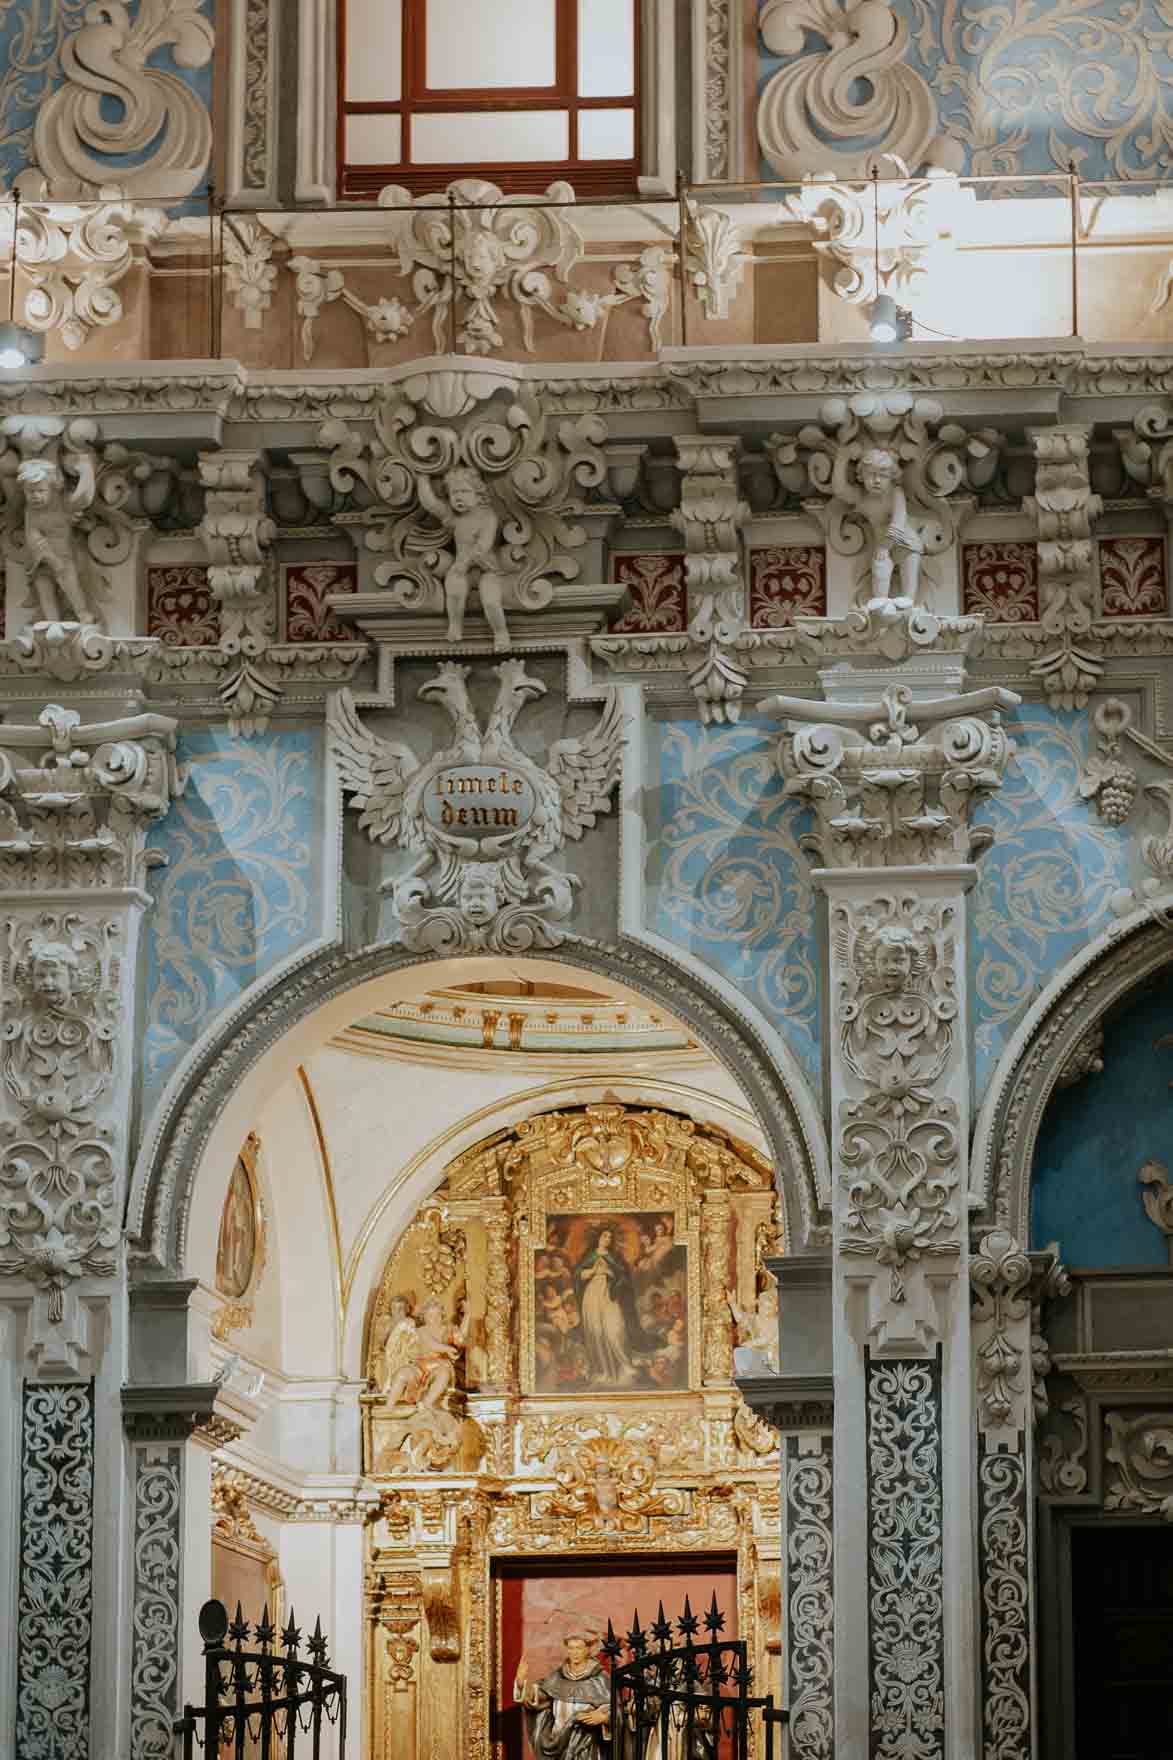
(717, 1342)
(76, 805)
(54, 1620)
(251, 112)
(906, 1584)
(809, 1490)
(1064, 511)
(1001, 1277)
(499, 1363)
(155, 1605)
(892, 785)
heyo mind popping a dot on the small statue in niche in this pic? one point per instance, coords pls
(49, 540)
(469, 515)
(756, 1350)
(881, 505)
(568, 1711)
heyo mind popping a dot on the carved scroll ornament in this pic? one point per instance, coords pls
(159, 122)
(487, 506)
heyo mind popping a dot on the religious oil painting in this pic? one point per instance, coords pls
(236, 1251)
(553, 1685)
(610, 1303)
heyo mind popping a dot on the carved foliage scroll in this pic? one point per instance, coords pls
(809, 1492)
(55, 1603)
(154, 1679)
(905, 1570)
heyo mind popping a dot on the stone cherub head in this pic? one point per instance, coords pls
(890, 960)
(54, 973)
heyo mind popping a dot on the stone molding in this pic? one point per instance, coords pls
(208, 1412)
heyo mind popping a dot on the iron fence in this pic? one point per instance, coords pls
(263, 1702)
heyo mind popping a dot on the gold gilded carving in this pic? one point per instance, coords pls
(674, 1218)
(441, 1613)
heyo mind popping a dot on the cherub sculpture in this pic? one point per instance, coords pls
(881, 505)
(49, 541)
(429, 1372)
(467, 513)
(757, 1333)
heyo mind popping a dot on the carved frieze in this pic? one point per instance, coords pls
(481, 819)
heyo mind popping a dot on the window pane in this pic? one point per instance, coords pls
(606, 134)
(606, 48)
(489, 137)
(373, 140)
(490, 43)
(374, 51)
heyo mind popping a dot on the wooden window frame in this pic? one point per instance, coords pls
(591, 177)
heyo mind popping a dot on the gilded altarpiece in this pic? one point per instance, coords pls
(550, 1358)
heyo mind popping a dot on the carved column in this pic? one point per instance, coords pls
(498, 1304)
(892, 784)
(1064, 511)
(716, 1332)
(76, 804)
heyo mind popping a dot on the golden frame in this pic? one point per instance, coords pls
(239, 1311)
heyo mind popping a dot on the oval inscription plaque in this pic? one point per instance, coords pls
(479, 800)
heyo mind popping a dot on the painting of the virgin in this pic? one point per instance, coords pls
(610, 1305)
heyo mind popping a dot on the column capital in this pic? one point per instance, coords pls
(890, 791)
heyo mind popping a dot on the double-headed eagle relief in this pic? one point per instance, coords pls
(480, 818)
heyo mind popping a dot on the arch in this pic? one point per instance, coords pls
(212, 1098)
(1071, 1006)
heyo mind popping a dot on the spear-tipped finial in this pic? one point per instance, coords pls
(714, 1618)
(661, 1628)
(238, 1630)
(688, 1622)
(291, 1636)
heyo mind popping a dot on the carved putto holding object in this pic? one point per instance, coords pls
(480, 818)
(67, 512)
(488, 505)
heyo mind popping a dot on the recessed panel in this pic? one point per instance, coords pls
(489, 43)
(606, 48)
(374, 51)
(373, 140)
(606, 134)
(490, 137)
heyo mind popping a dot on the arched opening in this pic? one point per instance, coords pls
(383, 1143)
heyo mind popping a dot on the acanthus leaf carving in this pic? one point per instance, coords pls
(858, 91)
(58, 1213)
(489, 505)
(464, 890)
(1000, 1276)
(710, 518)
(74, 258)
(237, 534)
(76, 802)
(899, 1141)
(163, 127)
(889, 791)
(713, 257)
(885, 237)
(466, 248)
(1139, 1450)
(250, 273)
(1064, 511)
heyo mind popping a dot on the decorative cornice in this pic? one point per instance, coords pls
(207, 1411)
(790, 1402)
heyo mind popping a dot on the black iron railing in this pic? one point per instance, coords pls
(689, 1700)
(270, 1702)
